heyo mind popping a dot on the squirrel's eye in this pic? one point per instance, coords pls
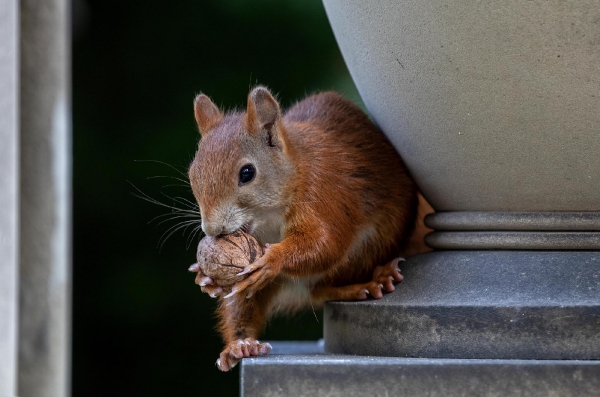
(247, 174)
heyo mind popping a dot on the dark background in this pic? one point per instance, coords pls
(141, 327)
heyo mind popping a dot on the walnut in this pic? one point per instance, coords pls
(223, 257)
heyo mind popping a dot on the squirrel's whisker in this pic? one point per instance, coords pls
(174, 229)
(185, 181)
(163, 163)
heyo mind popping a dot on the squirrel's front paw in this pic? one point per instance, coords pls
(206, 283)
(241, 348)
(260, 274)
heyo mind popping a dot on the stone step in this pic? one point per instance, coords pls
(478, 304)
(347, 376)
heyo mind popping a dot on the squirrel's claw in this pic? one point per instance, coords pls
(229, 295)
(248, 269)
(206, 283)
(252, 267)
(261, 273)
(213, 292)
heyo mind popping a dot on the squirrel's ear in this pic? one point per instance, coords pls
(207, 114)
(263, 110)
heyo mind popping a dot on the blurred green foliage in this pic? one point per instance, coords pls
(141, 327)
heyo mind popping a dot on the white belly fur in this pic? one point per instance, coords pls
(294, 295)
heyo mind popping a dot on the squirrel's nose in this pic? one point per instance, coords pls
(211, 228)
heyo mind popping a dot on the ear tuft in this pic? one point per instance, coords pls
(263, 109)
(207, 114)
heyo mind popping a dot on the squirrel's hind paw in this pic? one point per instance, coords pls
(241, 348)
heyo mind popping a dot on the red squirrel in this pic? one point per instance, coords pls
(321, 187)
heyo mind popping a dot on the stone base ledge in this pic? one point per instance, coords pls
(347, 376)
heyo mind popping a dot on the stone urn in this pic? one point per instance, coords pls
(495, 108)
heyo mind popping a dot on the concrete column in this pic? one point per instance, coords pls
(44, 336)
(9, 184)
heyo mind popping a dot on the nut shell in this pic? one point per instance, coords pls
(223, 257)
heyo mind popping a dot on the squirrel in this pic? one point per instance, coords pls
(321, 188)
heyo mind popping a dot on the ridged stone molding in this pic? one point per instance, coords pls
(472, 230)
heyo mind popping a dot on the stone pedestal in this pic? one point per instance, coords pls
(495, 108)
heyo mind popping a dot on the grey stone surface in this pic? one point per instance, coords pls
(298, 347)
(514, 240)
(9, 195)
(478, 304)
(505, 221)
(347, 376)
(493, 105)
(44, 320)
